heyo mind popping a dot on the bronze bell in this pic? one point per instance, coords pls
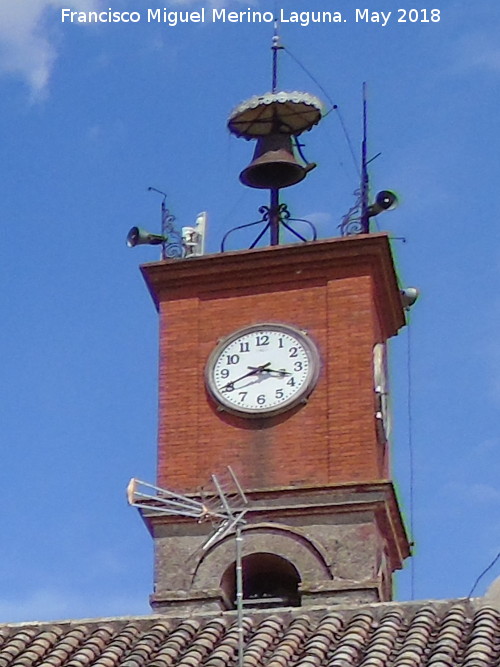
(274, 165)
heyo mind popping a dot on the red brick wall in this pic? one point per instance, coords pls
(329, 440)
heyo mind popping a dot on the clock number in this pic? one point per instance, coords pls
(232, 359)
(293, 352)
(291, 382)
(297, 366)
(244, 347)
(261, 399)
(279, 393)
(280, 343)
(262, 340)
(224, 373)
(243, 395)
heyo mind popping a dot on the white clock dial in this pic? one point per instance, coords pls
(263, 369)
(382, 413)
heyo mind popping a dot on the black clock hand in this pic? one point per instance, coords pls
(253, 371)
(280, 371)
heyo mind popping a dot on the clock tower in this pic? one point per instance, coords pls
(273, 362)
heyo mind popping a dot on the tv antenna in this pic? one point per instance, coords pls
(225, 505)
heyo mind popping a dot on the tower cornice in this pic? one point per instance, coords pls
(287, 265)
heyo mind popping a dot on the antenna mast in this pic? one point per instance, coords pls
(365, 218)
(357, 218)
(227, 506)
(274, 199)
(276, 46)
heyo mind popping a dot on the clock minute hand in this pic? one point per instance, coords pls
(253, 371)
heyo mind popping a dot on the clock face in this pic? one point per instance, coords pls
(262, 370)
(382, 413)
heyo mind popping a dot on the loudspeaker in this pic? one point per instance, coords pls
(138, 236)
(384, 201)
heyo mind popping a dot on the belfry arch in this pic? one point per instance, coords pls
(269, 580)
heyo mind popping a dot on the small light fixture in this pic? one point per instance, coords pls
(408, 296)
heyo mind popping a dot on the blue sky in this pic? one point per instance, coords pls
(90, 116)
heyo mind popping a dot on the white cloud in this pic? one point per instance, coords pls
(26, 47)
(42, 604)
(480, 51)
(51, 604)
(324, 223)
(476, 492)
(485, 493)
(490, 445)
(28, 29)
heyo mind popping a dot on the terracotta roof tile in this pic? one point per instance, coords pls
(292, 642)
(435, 634)
(226, 649)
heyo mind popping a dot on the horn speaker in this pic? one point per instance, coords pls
(138, 236)
(384, 201)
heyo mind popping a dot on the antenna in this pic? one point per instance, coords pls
(365, 220)
(357, 218)
(276, 46)
(226, 503)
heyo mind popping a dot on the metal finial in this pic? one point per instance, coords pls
(276, 46)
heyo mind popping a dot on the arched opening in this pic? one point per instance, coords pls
(268, 581)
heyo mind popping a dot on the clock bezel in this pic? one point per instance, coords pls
(302, 393)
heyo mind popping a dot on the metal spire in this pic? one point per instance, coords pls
(365, 220)
(276, 46)
(274, 202)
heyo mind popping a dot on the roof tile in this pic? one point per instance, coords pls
(436, 634)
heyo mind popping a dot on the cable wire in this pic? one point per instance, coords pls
(310, 75)
(497, 557)
(410, 452)
(333, 107)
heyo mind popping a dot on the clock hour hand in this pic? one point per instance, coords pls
(229, 386)
(281, 372)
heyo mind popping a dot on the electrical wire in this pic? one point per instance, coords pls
(311, 76)
(410, 452)
(497, 557)
(333, 107)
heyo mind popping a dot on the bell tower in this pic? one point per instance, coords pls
(273, 361)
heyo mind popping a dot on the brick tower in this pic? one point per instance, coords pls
(325, 523)
(272, 362)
